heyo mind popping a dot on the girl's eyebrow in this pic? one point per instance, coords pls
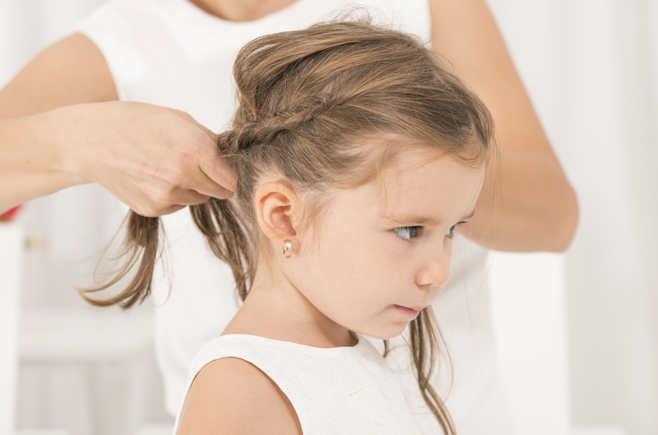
(423, 220)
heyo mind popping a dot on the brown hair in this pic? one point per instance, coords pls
(306, 100)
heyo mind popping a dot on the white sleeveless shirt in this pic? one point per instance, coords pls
(170, 53)
(335, 391)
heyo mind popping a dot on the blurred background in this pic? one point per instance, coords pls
(577, 333)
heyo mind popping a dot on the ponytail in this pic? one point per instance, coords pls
(142, 239)
(219, 222)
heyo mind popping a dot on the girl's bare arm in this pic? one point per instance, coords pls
(527, 203)
(60, 126)
(231, 396)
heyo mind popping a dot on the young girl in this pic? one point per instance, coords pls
(358, 154)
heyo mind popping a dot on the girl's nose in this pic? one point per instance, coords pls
(435, 272)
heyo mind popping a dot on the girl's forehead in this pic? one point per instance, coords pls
(422, 177)
(433, 185)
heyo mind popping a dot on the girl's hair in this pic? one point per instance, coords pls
(325, 107)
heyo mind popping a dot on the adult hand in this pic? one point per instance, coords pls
(154, 159)
(60, 126)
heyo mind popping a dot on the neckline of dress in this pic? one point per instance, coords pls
(290, 345)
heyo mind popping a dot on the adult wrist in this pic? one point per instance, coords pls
(57, 130)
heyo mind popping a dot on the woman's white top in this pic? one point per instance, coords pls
(170, 53)
(338, 390)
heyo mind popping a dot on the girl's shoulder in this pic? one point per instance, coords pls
(242, 383)
(230, 395)
(251, 384)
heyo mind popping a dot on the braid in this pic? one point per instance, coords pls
(263, 131)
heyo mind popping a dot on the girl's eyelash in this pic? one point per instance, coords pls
(409, 233)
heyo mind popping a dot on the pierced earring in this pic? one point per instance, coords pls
(287, 249)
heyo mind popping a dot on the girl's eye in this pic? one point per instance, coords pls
(451, 231)
(407, 233)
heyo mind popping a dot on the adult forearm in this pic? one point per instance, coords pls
(31, 163)
(154, 159)
(526, 205)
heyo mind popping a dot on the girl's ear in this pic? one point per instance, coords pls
(277, 207)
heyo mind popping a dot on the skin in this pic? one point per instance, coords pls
(243, 10)
(304, 300)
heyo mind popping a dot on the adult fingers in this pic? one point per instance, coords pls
(161, 204)
(212, 176)
(209, 175)
(203, 185)
(219, 175)
(153, 210)
(219, 179)
(213, 136)
(186, 197)
(171, 209)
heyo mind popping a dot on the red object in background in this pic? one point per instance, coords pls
(10, 214)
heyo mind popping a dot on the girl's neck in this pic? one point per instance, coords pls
(275, 309)
(241, 10)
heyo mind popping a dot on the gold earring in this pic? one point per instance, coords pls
(287, 249)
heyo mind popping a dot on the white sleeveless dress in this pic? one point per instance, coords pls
(339, 390)
(170, 53)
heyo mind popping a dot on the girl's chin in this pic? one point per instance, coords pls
(395, 330)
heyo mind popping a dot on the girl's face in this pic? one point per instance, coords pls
(380, 256)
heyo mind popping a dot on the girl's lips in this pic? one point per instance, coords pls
(408, 312)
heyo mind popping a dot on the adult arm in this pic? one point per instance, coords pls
(60, 126)
(231, 396)
(527, 203)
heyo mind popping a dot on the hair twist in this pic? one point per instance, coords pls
(263, 131)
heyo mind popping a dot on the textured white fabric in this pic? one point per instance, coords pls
(170, 53)
(340, 390)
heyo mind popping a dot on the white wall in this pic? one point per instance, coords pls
(590, 67)
(11, 241)
(613, 150)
